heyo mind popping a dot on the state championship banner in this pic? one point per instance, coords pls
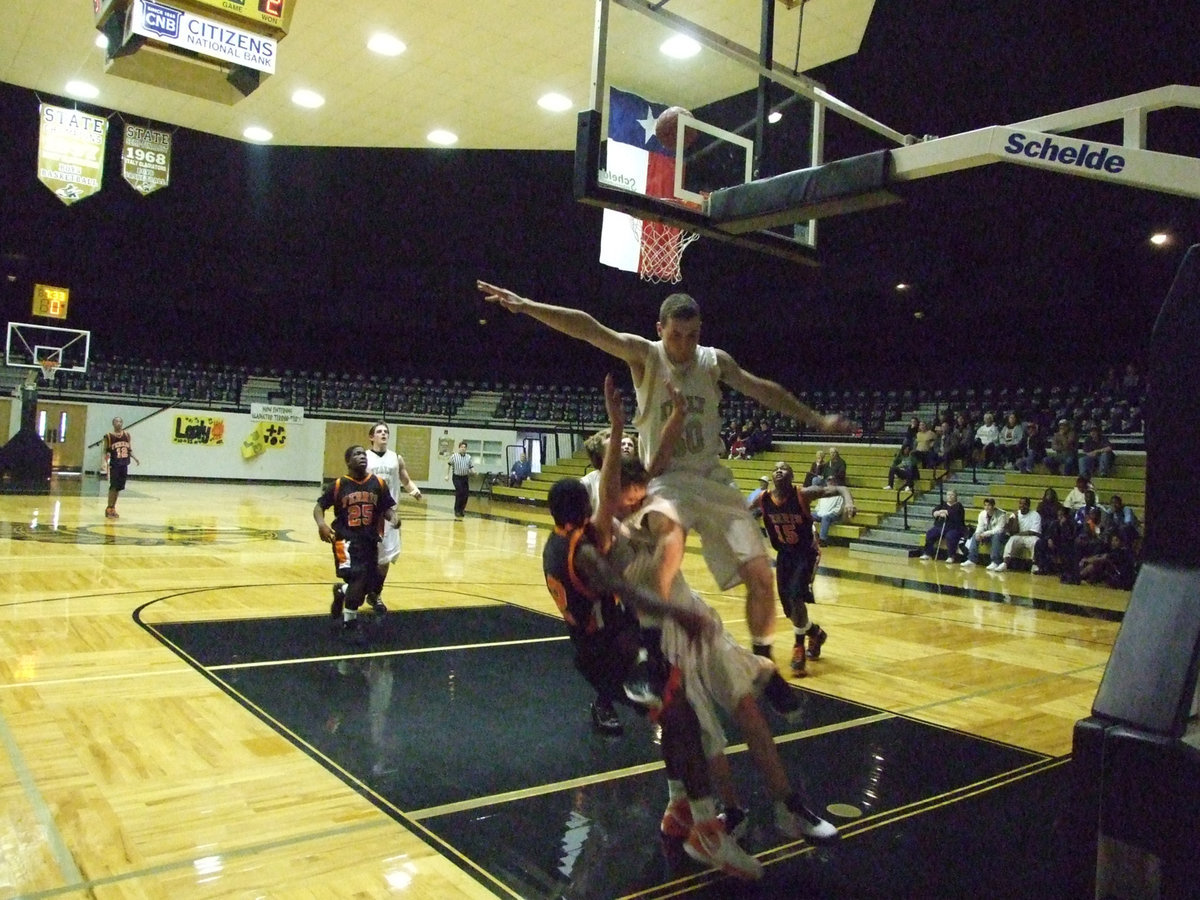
(208, 37)
(637, 162)
(146, 158)
(71, 152)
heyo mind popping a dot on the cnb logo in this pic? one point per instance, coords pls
(160, 19)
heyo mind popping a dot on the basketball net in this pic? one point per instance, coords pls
(49, 369)
(662, 250)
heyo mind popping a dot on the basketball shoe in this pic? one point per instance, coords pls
(796, 820)
(677, 819)
(709, 844)
(816, 640)
(376, 604)
(335, 608)
(799, 661)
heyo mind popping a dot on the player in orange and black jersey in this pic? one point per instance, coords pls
(118, 451)
(361, 504)
(789, 524)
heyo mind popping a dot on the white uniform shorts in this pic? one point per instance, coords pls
(389, 545)
(716, 510)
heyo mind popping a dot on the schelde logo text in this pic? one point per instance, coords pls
(1083, 156)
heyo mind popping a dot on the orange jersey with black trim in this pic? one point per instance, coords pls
(585, 611)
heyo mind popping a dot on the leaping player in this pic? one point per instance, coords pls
(694, 480)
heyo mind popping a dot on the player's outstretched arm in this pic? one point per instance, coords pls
(671, 431)
(775, 396)
(576, 323)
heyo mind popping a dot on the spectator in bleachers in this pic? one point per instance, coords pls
(817, 472)
(764, 484)
(923, 444)
(985, 446)
(910, 433)
(1131, 384)
(1064, 445)
(520, 470)
(1054, 552)
(1077, 496)
(1113, 565)
(760, 439)
(904, 466)
(1096, 455)
(989, 527)
(828, 510)
(1089, 536)
(1034, 448)
(1011, 442)
(1025, 527)
(1119, 519)
(949, 526)
(837, 466)
(1049, 505)
(961, 437)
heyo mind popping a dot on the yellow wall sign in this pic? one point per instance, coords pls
(199, 430)
(265, 436)
(50, 302)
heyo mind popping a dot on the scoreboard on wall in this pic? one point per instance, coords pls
(272, 17)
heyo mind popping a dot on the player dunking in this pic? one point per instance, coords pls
(361, 503)
(390, 467)
(695, 481)
(118, 451)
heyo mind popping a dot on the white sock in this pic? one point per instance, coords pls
(675, 789)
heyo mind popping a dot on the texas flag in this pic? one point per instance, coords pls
(643, 165)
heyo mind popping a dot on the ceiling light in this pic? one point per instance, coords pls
(1160, 239)
(102, 41)
(555, 102)
(257, 134)
(679, 47)
(308, 99)
(443, 137)
(903, 287)
(775, 116)
(386, 45)
(82, 90)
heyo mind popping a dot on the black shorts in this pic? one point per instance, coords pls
(793, 576)
(117, 476)
(355, 559)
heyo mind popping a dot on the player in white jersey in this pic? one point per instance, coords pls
(389, 466)
(700, 487)
(717, 672)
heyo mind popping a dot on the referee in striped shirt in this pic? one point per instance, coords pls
(460, 466)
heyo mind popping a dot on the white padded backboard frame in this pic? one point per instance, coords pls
(26, 345)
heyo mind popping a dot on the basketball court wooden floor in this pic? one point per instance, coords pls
(178, 718)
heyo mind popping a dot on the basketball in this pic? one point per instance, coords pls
(666, 125)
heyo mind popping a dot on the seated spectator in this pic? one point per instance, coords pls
(1114, 565)
(817, 472)
(837, 466)
(904, 465)
(1096, 455)
(737, 446)
(1077, 496)
(960, 438)
(1121, 520)
(828, 510)
(1011, 442)
(1089, 536)
(1024, 530)
(1054, 552)
(520, 471)
(923, 444)
(910, 433)
(949, 526)
(942, 451)
(764, 484)
(985, 445)
(1131, 384)
(760, 438)
(990, 527)
(1049, 506)
(1064, 447)
(1035, 449)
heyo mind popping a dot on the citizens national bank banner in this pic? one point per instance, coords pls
(71, 152)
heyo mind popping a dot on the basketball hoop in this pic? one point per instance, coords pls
(49, 369)
(662, 250)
